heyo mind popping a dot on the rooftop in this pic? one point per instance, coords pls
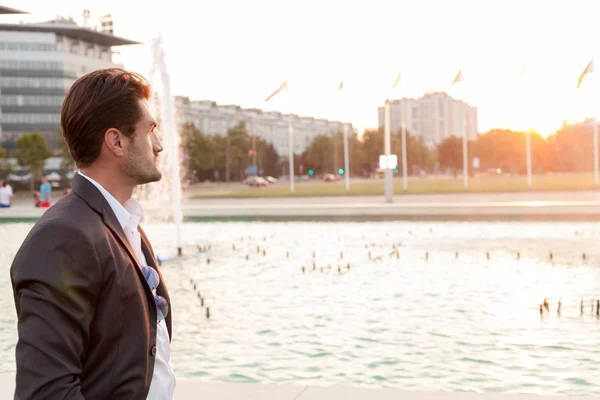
(235, 107)
(8, 10)
(72, 30)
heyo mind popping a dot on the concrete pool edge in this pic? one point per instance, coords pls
(191, 390)
(556, 207)
(233, 217)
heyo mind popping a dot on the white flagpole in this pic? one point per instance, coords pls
(595, 122)
(388, 184)
(525, 96)
(346, 159)
(286, 86)
(346, 151)
(465, 155)
(290, 143)
(403, 134)
(459, 78)
(588, 70)
(529, 180)
(404, 161)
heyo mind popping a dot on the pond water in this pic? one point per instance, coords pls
(408, 313)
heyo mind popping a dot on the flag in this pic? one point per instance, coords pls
(396, 82)
(458, 77)
(283, 87)
(341, 85)
(588, 70)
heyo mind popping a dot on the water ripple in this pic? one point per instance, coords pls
(470, 324)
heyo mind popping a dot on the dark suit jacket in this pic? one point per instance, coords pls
(87, 318)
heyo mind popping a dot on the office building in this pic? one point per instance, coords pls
(38, 64)
(272, 126)
(434, 117)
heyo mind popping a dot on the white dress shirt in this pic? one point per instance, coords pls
(162, 386)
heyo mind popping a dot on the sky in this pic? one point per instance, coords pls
(239, 51)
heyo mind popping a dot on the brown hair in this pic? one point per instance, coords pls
(98, 101)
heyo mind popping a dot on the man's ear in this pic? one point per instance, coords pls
(116, 142)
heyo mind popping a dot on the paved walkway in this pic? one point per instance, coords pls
(191, 390)
(584, 205)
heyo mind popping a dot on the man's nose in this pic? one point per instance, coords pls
(156, 144)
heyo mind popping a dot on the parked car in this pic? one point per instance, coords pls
(329, 178)
(270, 179)
(257, 181)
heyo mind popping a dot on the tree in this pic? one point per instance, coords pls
(571, 149)
(32, 151)
(67, 164)
(357, 157)
(318, 155)
(238, 141)
(221, 156)
(417, 153)
(450, 154)
(337, 153)
(5, 168)
(200, 152)
(506, 150)
(267, 158)
(371, 148)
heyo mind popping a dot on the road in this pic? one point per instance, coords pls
(580, 205)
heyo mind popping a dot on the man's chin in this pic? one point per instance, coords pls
(155, 177)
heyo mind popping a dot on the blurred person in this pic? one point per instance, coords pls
(6, 194)
(94, 318)
(45, 193)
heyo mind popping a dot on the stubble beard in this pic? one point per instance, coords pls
(140, 169)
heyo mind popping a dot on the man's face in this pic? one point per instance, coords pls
(144, 146)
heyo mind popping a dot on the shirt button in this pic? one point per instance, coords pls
(153, 351)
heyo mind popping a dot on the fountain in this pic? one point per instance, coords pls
(165, 195)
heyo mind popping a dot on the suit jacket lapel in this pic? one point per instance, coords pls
(92, 196)
(161, 290)
(110, 220)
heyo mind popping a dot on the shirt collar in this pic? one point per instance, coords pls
(130, 214)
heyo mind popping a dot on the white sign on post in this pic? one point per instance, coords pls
(390, 162)
(382, 161)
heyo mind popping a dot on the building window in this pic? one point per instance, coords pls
(13, 82)
(34, 65)
(14, 46)
(30, 118)
(21, 100)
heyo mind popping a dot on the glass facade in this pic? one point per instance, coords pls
(25, 100)
(31, 93)
(31, 82)
(30, 118)
(12, 46)
(37, 68)
(32, 89)
(31, 65)
(34, 82)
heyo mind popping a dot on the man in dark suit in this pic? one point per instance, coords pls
(94, 318)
